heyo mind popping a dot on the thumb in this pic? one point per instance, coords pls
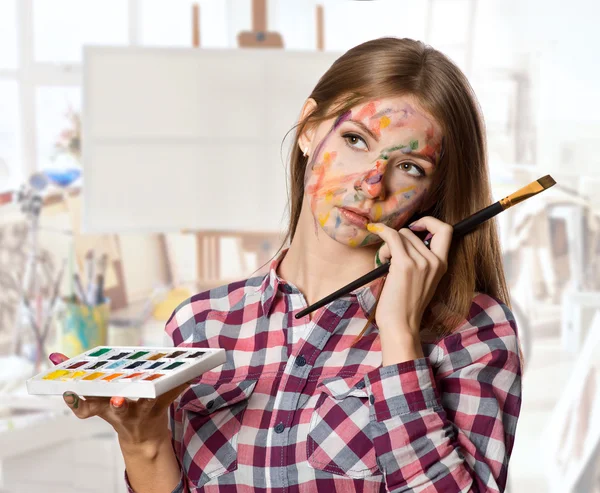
(58, 358)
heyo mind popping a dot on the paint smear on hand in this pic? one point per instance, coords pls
(373, 228)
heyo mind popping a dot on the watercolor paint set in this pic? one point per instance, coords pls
(126, 371)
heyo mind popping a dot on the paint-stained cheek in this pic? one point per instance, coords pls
(329, 158)
(409, 195)
(401, 205)
(323, 218)
(400, 197)
(378, 212)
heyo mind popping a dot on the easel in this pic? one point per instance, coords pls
(264, 244)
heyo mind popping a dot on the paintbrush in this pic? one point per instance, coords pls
(460, 229)
(91, 277)
(53, 300)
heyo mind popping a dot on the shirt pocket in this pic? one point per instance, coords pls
(338, 440)
(211, 425)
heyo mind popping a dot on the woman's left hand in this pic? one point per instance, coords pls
(415, 272)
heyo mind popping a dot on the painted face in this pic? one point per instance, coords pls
(379, 159)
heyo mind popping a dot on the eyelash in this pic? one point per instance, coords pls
(347, 135)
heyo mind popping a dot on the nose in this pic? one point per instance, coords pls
(372, 183)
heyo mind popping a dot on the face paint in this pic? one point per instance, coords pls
(378, 159)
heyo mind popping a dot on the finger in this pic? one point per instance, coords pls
(394, 245)
(119, 406)
(57, 358)
(88, 407)
(382, 255)
(414, 250)
(424, 252)
(441, 235)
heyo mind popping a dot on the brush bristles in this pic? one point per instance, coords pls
(546, 182)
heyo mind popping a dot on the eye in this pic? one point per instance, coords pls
(354, 137)
(409, 164)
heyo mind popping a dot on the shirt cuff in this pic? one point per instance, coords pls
(178, 489)
(402, 388)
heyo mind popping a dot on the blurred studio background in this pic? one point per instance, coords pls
(141, 143)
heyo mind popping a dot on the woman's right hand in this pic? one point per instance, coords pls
(136, 422)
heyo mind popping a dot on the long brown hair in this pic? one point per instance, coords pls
(390, 67)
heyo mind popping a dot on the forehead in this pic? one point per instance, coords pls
(394, 113)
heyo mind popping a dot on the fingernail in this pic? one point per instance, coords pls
(57, 358)
(117, 401)
(374, 228)
(428, 237)
(415, 227)
(69, 397)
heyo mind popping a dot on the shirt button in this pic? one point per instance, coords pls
(279, 428)
(372, 399)
(210, 404)
(360, 385)
(300, 361)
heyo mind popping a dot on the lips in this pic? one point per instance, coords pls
(359, 219)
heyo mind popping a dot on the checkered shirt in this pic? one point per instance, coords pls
(299, 406)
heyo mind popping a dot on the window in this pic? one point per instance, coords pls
(41, 48)
(350, 23)
(56, 108)
(62, 27)
(8, 34)
(169, 23)
(10, 145)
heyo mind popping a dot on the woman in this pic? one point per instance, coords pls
(410, 383)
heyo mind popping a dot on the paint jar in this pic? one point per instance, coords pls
(83, 327)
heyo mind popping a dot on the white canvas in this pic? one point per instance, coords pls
(178, 138)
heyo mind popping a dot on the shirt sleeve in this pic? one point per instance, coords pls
(452, 431)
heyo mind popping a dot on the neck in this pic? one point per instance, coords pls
(319, 265)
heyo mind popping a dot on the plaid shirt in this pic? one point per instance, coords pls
(297, 407)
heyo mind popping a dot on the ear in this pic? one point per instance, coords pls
(305, 140)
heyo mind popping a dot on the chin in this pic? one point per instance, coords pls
(350, 238)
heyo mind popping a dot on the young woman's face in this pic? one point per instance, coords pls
(379, 159)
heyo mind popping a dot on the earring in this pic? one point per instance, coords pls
(305, 151)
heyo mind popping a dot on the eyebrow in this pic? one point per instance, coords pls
(365, 128)
(370, 132)
(422, 156)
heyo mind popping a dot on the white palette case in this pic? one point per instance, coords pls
(129, 371)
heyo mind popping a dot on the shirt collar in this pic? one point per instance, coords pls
(272, 284)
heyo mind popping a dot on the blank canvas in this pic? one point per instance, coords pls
(178, 138)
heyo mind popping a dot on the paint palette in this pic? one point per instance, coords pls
(126, 371)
